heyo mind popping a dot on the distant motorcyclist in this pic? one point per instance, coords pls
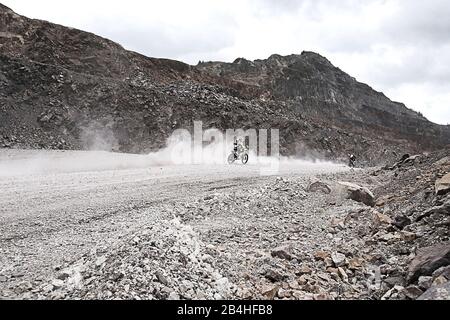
(239, 151)
(352, 160)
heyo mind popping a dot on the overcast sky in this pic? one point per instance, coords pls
(400, 47)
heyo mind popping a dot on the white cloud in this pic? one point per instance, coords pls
(432, 100)
(399, 47)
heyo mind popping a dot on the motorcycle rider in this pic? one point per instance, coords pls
(240, 151)
(238, 147)
(352, 160)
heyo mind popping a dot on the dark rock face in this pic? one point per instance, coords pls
(60, 86)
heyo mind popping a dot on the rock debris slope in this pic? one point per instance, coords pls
(236, 238)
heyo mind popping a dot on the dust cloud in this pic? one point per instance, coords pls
(179, 151)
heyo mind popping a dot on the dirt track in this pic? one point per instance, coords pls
(47, 219)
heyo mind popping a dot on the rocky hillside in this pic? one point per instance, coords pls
(68, 89)
(317, 89)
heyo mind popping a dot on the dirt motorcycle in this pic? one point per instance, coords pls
(238, 155)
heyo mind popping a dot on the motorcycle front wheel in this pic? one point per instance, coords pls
(231, 158)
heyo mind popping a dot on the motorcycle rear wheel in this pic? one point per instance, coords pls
(244, 159)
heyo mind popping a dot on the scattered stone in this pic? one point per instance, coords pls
(408, 236)
(161, 278)
(425, 283)
(329, 262)
(411, 159)
(304, 270)
(443, 271)
(319, 186)
(405, 159)
(392, 293)
(337, 223)
(381, 218)
(356, 263)
(274, 276)
(401, 221)
(270, 291)
(358, 193)
(282, 253)
(321, 255)
(440, 292)
(209, 197)
(440, 209)
(445, 161)
(245, 294)
(442, 185)
(301, 295)
(439, 280)
(17, 275)
(116, 276)
(412, 292)
(343, 275)
(338, 259)
(282, 293)
(390, 237)
(428, 260)
(294, 285)
(57, 284)
(323, 297)
(323, 276)
(48, 288)
(381, 201)
(63, 275)
(173, 296)
(100, 261)
(394, 281)
(303, 280)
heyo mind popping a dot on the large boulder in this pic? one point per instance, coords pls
(358, 193)
(440, 292)
(428, 260)
(443, 185)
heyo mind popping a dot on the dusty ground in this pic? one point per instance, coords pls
(52, 216)
(90, 225)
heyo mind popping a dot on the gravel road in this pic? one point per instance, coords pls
(57, 206)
